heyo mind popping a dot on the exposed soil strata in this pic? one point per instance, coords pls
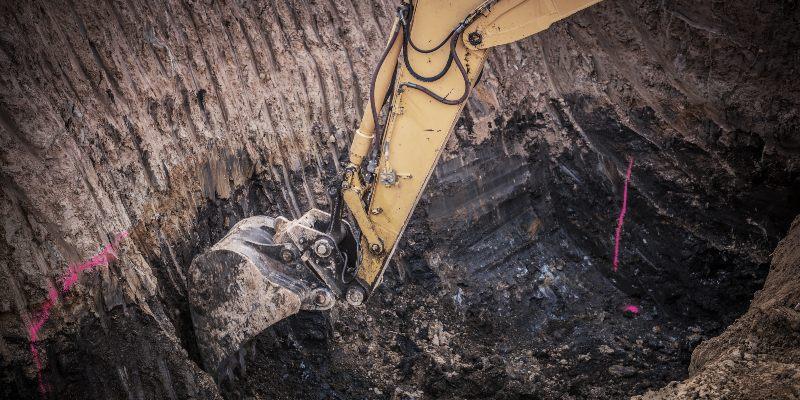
(176, 119)
(758, 357)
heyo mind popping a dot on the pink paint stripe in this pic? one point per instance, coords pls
(622, 212)
(38, 361)
(631, 309)
(70, 278)
(107, 254)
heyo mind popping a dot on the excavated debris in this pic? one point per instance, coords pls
(174, 120)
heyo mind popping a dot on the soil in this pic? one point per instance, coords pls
(174, 120)
(756, 357)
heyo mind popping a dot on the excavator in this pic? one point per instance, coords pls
(266, 269)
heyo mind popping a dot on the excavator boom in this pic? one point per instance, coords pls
(267, 269)
(444, 46)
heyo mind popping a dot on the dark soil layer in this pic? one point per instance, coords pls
(758, 357)
(513, 300)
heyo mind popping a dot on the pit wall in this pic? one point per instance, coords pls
(148, 118)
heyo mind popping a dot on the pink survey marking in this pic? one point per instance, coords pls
(622, 212)
(630, 308)
(106, 255)
(33, 331)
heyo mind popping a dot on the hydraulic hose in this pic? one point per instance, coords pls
(373, 106)
(453, 56)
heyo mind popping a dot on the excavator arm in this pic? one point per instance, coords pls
(442, 58)
(266, 269)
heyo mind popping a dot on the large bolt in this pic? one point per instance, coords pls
(287, 255)
(322, 248)
(475, 38)
(323, 298)
(355, 295)
(376, 248)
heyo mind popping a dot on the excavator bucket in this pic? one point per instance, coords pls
(261, 272)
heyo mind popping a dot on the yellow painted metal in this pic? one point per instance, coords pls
(352, 193)
(512, 20)
(418, 126)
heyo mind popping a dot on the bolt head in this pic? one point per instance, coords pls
(287, 255)
(475, 38)
(355, 295)
(323, 298)
(322, 249)
(375, 248)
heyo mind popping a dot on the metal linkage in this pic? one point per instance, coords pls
(332, 257)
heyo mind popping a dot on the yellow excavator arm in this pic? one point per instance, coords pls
(444, 45)
(266, 269)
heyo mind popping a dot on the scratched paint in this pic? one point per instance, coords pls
(107, 254)
(621, 219)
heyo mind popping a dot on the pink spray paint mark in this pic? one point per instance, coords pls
(630, 310)
(70, 278)
(622, 212)
(33, 332)
(105, 255)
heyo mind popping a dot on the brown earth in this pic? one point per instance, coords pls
(173, 120)
(758, 356)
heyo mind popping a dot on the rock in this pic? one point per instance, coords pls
(605, 349)
(405, 393)
(655, 344)
(693, 339)
(621, 371)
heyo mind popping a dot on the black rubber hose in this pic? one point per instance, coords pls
(373, 107)
(410, 23)
(414, 73)
(453, 55)
(407, 40)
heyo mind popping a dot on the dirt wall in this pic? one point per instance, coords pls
(173, 120)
